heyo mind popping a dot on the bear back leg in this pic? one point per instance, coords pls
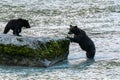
(90, 54)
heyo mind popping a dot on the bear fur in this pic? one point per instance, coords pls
(16, 25)
(83, 40)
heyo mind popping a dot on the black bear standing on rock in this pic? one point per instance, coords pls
(16, 25)
(84, 41)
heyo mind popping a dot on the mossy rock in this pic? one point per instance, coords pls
(30, 51)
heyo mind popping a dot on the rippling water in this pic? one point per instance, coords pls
(99, 18)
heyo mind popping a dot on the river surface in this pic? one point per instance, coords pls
(99, 18)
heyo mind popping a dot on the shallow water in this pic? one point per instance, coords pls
(99, 18)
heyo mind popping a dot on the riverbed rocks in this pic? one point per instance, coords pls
(32, 51)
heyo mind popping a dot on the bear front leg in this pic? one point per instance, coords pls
(19, 30)
(73, 39)
(16, 31)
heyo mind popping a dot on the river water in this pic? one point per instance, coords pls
(99, 18)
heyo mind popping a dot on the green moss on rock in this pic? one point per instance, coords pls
(53, 49)
(34, 53)
(17, 51)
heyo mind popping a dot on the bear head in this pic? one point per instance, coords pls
(73, 30)
(24, 23)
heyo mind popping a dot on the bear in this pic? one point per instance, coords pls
(83, 40)
(16, 25)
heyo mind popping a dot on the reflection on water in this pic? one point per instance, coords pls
(82, 64)
(99, 18)
(83, 69)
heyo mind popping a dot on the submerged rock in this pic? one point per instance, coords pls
(31, 51)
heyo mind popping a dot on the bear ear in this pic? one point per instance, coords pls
(71, 25)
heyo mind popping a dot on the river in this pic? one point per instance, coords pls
(99, 18)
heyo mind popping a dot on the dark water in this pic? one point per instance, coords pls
(101, 21)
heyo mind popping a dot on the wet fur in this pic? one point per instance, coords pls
(83, 40)
(16, 25)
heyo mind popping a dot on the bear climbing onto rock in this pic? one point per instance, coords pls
(83, 40)
(16, 25)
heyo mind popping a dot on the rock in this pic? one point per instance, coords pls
(31, 51)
